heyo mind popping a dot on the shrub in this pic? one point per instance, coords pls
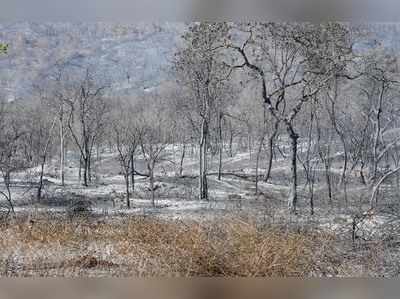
(146, 246)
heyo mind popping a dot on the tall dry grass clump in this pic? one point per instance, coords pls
(144, 246)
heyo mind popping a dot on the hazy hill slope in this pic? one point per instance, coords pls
(127, 55)
(130, 57)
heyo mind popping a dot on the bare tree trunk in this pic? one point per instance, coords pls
(271, 142)
(62, 150)
(200, 169)
(126, 177)
(85, 172)
(230, 140)
(80, 169)
(324, 154)
(43, 162)
(249, 145)
(292, 200)
(308, 167)
(203, 162)
(340, 133)
(379, 183)
(311, 183)
(40, 187)
(378, 132)
(362, 176)
(7, 183)
(328, 180)
(343, 178)
(221, 146)
(258, 159)
(89, 167)
(151, 173)
(182, 159)
(133, 173)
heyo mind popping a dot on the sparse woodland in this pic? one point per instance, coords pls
(278, 133)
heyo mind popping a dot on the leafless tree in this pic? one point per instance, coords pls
(199, 69)
(87, 119)
(292, 62)
(12, 158)
(126, 135)
(155, 135)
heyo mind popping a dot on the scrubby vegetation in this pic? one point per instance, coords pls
(145, 246)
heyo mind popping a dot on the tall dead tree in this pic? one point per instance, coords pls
(292, 62)
(87, 119)
(198, 67)
(126, 134)
(155, 136)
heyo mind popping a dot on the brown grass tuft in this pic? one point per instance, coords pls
(140, 246)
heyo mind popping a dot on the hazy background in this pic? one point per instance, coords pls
(125, 10)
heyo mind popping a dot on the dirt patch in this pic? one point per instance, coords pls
(88, 262)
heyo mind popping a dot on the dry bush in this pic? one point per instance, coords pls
(141, 246)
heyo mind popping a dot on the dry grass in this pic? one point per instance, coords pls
(140, 246)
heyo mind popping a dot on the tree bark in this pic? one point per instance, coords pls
(151, 173)
(85, 172)
(126, 177)
(89, 167)
(8, 196)
(182, 159)
(328, 180)
(292, 200)
(271, 142)
(258, 159)
(249, 143)
(133, 173)
(40, 187)
(203, 162)
(62, 149)
(221, 146)
(230, 140)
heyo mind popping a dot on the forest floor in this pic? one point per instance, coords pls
(361, 242)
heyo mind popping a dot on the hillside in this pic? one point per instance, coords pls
(127, 55)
